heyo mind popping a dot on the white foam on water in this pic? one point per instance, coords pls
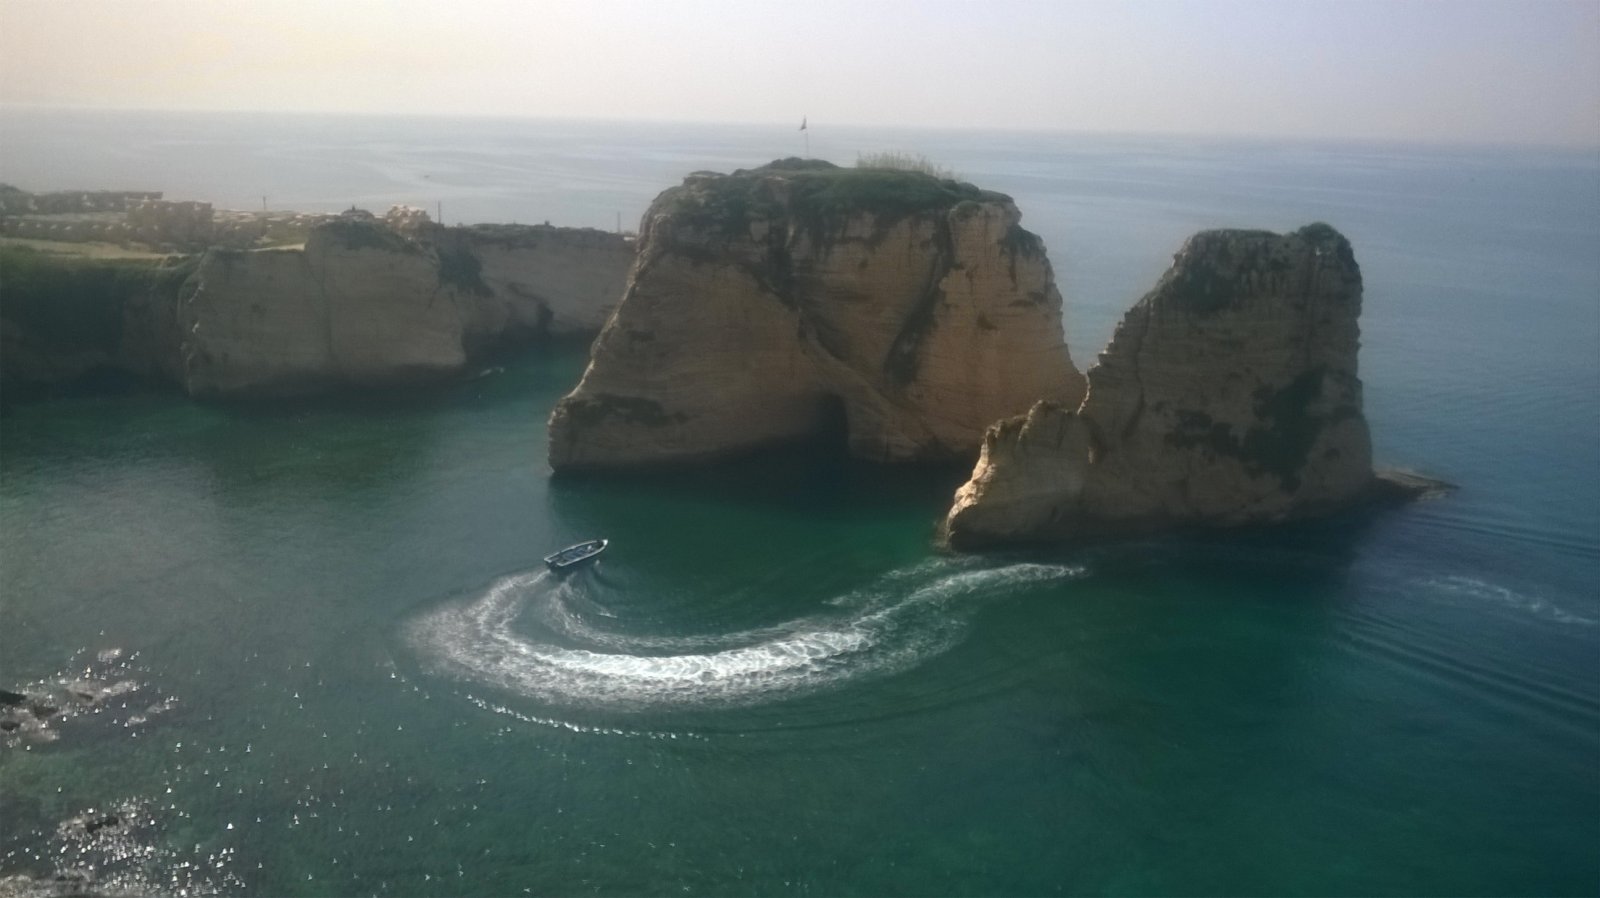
(876, 631)
(986, 580)
(558, 616)
(1472, 588)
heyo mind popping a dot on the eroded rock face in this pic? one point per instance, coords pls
(358, 306)
(765, 304)
(362, 305)
(1228, 395)
(548, 279)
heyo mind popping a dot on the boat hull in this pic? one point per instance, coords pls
(575, 556)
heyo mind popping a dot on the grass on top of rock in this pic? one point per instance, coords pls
(895, 160)
(818, 194)
(355, 234)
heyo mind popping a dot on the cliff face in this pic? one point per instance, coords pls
(765, 303)
(1229, 394)
(62, 319)
(362, 305)
(359, 306)
(545, 279)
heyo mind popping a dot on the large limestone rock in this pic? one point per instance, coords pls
(363, 303)
(1228, 395)
(358, 306)
(547, 279)
(766, 303)
(365, 306)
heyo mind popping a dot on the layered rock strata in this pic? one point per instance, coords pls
(771, 304)
(363, 305)
(358, 306)
(1228, 395)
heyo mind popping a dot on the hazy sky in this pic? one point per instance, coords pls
(1524, 72)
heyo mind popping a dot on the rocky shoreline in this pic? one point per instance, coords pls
(911, 315)
(360, 302)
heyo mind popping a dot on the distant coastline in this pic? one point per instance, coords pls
(259, 304)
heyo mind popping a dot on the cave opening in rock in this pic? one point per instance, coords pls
(830, 431)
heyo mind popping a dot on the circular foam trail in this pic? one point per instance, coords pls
(876, 631)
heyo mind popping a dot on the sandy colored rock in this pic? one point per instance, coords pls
(358, 306)
(362, 305)
(771, 304)
(548, 279)
(1228, 395)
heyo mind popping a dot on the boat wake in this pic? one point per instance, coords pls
(1470, 588)
(526, 635)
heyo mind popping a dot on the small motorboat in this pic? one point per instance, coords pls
(572, 556)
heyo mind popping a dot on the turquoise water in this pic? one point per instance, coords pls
(349, 675)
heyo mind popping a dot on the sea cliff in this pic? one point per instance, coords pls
(64, 319)
(774, 303)
(364, 302)
(1228, 395)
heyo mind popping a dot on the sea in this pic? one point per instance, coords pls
(338, 666)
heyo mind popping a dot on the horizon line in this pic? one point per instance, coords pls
(1434, 143)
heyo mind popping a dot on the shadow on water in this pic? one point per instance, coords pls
(814, 478)
(773, 504)
(1322, 549)
(321, 449)
(815, 474)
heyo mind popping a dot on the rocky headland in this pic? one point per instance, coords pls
(776, 303)
(364, 305)
(900, 313)
(1228, 395)
(363, 302)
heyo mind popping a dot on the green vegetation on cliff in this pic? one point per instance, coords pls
(596, 409)
(1211, 279)
(357, 234)
(459, 268)
(817, 194)
(1282, 444)
(79, 302)
(902, 161)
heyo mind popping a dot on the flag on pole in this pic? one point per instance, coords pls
(802, 123)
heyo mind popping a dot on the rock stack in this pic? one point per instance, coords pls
(772, 304)
(1228, 395)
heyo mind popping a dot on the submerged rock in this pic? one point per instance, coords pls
(28, 715)
(66, 884)
(91, 822)
(773, 304)
(106, 688)
(1228, 395)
